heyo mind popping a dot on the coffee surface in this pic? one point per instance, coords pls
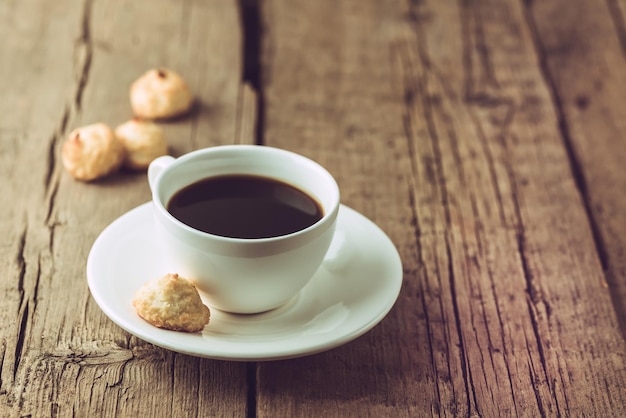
(244, 206)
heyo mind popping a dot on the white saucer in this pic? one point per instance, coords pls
(352, 292)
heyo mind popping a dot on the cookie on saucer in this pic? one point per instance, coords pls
(172, 302)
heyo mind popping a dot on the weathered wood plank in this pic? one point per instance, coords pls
(71, 64)
(583, 60)
(32, 112)
(440, 126)
(329, 94)
(497, 135)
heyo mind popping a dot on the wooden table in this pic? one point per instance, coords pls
(486, 138)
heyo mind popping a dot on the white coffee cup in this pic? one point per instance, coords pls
(243, 275)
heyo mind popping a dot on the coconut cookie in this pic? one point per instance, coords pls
(143, 140)
(172, 302)
(160, 94)
(91, 152)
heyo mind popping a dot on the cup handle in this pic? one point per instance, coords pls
(156, 167)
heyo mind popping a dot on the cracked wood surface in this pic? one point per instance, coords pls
(483, 137)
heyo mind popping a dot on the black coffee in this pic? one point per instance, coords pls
(244, 206)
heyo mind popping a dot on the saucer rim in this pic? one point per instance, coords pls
(277, 353)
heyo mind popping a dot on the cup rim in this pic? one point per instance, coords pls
(175, 225)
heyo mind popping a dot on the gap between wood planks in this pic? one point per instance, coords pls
(252, 33)
(252, 28)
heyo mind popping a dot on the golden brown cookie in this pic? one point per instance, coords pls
(144, 141)
(172, 302)
(160, 94)
(91, 152)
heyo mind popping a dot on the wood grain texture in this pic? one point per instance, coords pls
(443, 107)
(522, 265)
(328, 94)
(583, 60)
(67, 64)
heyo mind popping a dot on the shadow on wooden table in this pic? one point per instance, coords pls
(371, 373)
